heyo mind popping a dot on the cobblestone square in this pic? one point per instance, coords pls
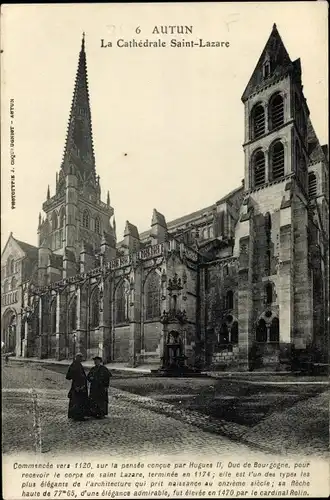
(34, 406)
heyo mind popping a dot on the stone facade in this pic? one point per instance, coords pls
(248, 273)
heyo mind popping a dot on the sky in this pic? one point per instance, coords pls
(168, 123)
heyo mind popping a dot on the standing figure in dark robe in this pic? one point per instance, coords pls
(99, 379)
(78, 394)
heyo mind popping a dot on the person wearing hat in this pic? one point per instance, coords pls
(78, 394)
(99, 379)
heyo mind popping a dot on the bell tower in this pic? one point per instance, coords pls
(276, 307)
(76, 216)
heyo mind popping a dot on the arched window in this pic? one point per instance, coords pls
(274, 333)
(86, 219)
(73, 314)
(6, 287)
(14, 283)
(276, 157)
(312, 185)
(152, 296)
(276, 112)
(121, 303)
(53, 316)
(257, 121)
(95, 308)
(229, 300)
(54, 220)
(269, 293)
(258, 166)
(61, 218)
(97, 225)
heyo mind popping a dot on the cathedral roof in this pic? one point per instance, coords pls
(279, 62)
(79, 150)
(30, 250)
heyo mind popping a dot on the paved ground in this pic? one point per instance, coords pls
(168, 414)
(35, 420)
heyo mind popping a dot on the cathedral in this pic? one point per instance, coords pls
(248, 272)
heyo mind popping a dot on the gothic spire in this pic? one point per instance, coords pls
(79, 149)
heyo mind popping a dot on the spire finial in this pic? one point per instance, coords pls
(48, 193)
(83, 40)
(274, 26)
(108, 198)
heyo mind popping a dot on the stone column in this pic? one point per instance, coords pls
(43, 328)
(134, 302)
(82, 320)
(61, 313)
(245, 295)
(25, 342)
(104, 329)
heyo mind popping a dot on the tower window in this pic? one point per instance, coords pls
(258, 121)
(276, 112)
(312, 185)
(269, 293)
(266, 69)
(86, 219)
(277, 160)
(229, 300)
(258, 165)
(97, 225)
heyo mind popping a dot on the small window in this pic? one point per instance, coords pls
(229, 300)
(86, 219)
(312, 185)
(97, 225)
(266, 69)
(269, 293)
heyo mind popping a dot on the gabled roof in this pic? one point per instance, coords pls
(280, 63)
(30, 250)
